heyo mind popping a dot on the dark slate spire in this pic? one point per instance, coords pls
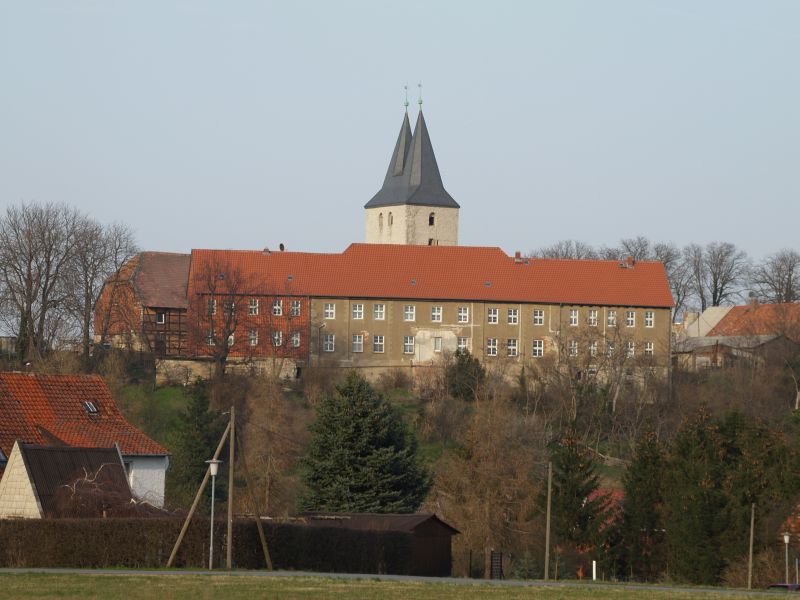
(394, 186)
(418, 181)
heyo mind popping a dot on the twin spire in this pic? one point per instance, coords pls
(413, 175)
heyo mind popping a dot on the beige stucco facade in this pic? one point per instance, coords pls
(376, 333)
(411, 224)
(17, 497)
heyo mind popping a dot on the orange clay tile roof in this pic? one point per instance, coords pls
(48, 410)
(438, 273)
(760, 319)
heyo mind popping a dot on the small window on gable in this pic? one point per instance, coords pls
(161, 317)
(380, 220)
(90, 407)
(431, 218)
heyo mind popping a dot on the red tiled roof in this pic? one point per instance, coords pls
(43, 409)
(760, 319)
(438, 273)
(160, 279)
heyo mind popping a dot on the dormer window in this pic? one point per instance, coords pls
(90, 407)
(432, 219)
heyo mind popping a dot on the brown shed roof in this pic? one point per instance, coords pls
(161, 278)
(374, 521)
(52, 470)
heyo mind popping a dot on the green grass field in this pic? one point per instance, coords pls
(197, 587)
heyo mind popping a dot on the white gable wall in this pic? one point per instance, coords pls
(146, 476)
(17, 497)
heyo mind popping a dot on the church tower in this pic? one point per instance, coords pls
(412, 207)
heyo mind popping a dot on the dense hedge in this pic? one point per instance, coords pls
(148, 543)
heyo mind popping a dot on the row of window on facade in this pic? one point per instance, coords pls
(252, 338)
(390, 219)
(254, 306)
(492, 346)
(493, 315)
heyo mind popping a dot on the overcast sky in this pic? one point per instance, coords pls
(245, 124)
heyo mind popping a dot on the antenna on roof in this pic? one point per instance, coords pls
(419, 85)
(405, 104)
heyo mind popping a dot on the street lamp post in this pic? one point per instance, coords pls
(213, 466)
(786, 544)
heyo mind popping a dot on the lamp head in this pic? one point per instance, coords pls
(213, 465)
(786, 537)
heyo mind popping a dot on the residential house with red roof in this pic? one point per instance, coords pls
(78, 411)
(751, 333)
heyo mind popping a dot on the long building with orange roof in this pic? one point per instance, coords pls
(406, 298)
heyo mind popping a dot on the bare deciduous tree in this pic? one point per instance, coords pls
(99, 253)
(566, 249)
(777, 277)
(37, 242)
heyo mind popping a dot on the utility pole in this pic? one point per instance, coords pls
(197, 497)
(547, 527)
(229, 561)
(750, 556)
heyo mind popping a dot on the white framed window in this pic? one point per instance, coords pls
(538, 348)
(630, 318)
(491, 316)
(609, 348)
(294, 308)
(573, 348)
(538, 316)
(648, 348)
(436, 314)
(463, 314)
(573, 317)
(463, 343)
(409, 312)
(296, 339)
(161, 318)
(408, 344)
(512, 348)
(593, 348)
(329, 342)
(437, 344)
(491, 346)
(231, 340)
(277, 338)
(358, 312)
(329, 311)
(611, 318)
(513, 317)
(210, 341)
(252, 307)
(377, 344)
(649, 318)
(252, 337)
(630, 349)
(277, 308)
(378, 312)
(211, 307)
(229, 306)
(591, 318)
(358, 342)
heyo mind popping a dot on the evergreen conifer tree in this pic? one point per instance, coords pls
(464, 374)
(577, 510)
(193, 443)
(642, 522)
(361, 457)
(696, 501)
